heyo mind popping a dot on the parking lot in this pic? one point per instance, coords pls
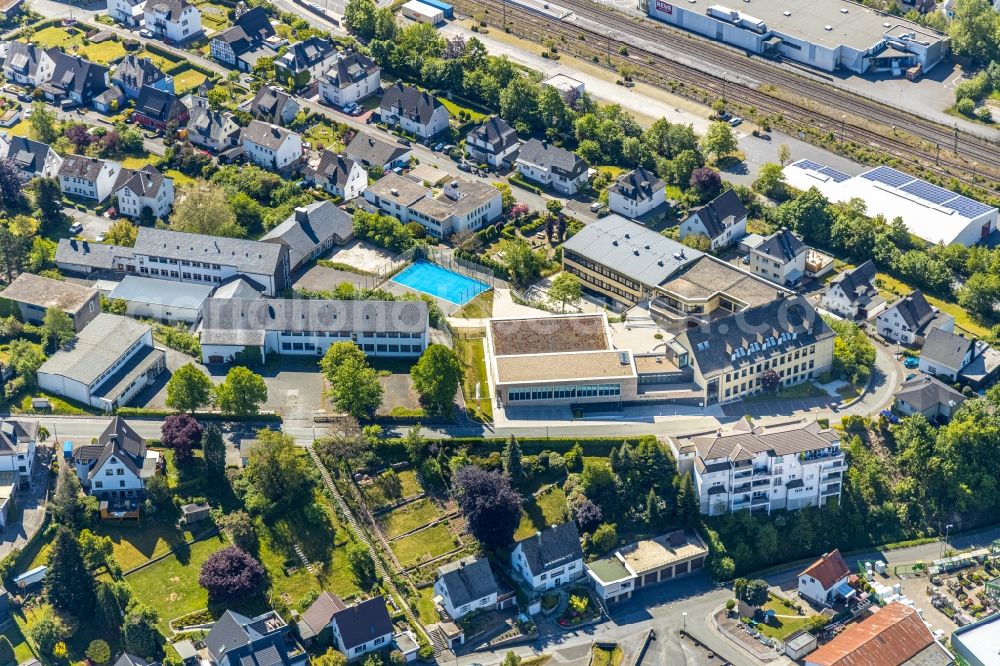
(782, 407)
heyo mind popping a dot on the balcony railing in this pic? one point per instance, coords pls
(758, 483)
(836, 476)
(831, 489)
(761, 471)
(741, 504)
(742, 488)
(819, 455)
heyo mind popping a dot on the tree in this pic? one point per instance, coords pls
(48, 201)
(755, 592)
(359, 558)
(46, 629)
(99, 652)
(7, 657)
(784, 154)
(275, 469)
(853, 353)
(68, 583)
(770, 181)
(654, 509)
(109, 610)
(239, 526)
(566, 290)
(331, 657)
(158, 497)
(241, 393)
(981, 294)
(520, 260)
(355, 388)
(121, 232)
(688, 505)
(95, 550)
(770, 381)
(214, 449)
(359, 15)
(436, 377)
(139, 632)
(58, 327)
(202, 208)
(188, 388)
(510, 659)
(43, 125)
(513, 466)
(586, 514)
(64, 503)
(11, 193)
(182, 433)
(231, 574)
(706, 183)
(604, 538)
(719, 140)
(975, 31)
(506, 196)
(492, 508)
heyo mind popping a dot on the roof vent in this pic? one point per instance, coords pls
(659, 263)
(627, 236)
(828, 27)
(886, 25)
(636, 252)
(787, 13)
(615, 243)
(394, 192)
(843, 10)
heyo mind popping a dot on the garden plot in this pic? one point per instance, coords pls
(424, 545)
(409, 517)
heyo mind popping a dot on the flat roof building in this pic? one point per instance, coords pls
(164, 300)
(826, 34)
(931, 212)
(979, 643)
(647, 562)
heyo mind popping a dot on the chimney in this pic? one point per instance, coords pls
(301, 215)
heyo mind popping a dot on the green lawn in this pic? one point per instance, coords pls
(604, 657)
(425, 606)
(409, 517)
(323, 133)
(60, 406)
(56, 36)
(783, 626)
(21, 650)
(543, 511)
(188, 80)
(480, 307)
(471, 354)
(454, 110)
(214, 16)
(179, 178)
(136, 162)
(424, 545)
(171, 585)
(105, 53)
(408, 480)
(135, 543)
(22, 128)
(161, 61)
(891, 289)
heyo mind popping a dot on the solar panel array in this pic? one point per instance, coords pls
(809, 164)
(832, 174)
(929, 192)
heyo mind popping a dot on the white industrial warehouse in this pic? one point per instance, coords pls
(933, 213)
(827, 34)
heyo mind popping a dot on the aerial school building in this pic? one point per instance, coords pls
(826, 34)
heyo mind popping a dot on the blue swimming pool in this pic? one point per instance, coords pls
(440, 282)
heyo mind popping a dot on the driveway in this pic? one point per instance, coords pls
(295, 387)
(30, 503)
(93, 225)
(155, 396)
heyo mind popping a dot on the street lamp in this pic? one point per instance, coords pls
(684, 616)
(947, 529)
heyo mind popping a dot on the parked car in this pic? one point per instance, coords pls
(145, 32)
(438, 147)
(734, 121)
(464, 166)
(404, 142)
(25, 97)
(596, 206)
(75, 228)
(889, 416)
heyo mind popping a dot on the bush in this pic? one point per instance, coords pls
(965, 106)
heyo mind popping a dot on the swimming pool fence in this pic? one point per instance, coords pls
(448, 260)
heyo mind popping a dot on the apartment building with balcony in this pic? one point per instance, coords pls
(787, 466)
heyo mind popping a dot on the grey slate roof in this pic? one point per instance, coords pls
(244, 321)
(27, 154)
(81, 166)
(549, 157)
(914, 309)
(791, 321)
(363, 622)
(372, 151)
(136, 72)
(411, 102)
(96, 256)
(145, 182)
(217, 125)
(351, 68)
(238, 287)
(321, 612)
(637, 185)
(15, 435)
(142, 289)
(925, 391)
(247, 255)
(171, 9)
(310, 226)
(122, 442)
(744, 441)
(714, 214)
(305, 54)
(159, 104)
(552, 547)
(782, 245)
(467, 580)
(130, 660)
(237, 640)
(859, 284)
(22, 58)
(631, 249)
(77, 75)
(495, 133)
(251, 27)
(96, 348)
(947, 349)
(333, 168)
(269, 104)
(263, 134)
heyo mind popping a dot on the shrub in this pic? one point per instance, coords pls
(231, 574)
(965, 106)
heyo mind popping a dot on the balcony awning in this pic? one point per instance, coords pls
(846, 591)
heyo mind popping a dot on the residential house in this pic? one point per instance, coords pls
(339, 175)
(134, 73)
(305, 62)
(88, 177)
(70, 79)
(21, 64)
(413, 110)
(549, 558)
(129, 13)
(787, 465)
(307, 327)
(32, 158)
(174, 255)
(893, 636)
(352, 78)
(238, 640)
(908, 320)
(10, 8)
(35, 294)
(271, 147)
(465, 586)
(375, 153)
(17, 449)
(825, 581)
(310, 231)
(110, 101)
(636, 193)
(214, 130)
(362, 628)
(173, 21)
(928, 396)
(723, 220)
(551, 166)
(248, 35)
(853, 294)
(117, 466)
(492, 143)
(954, 357)
(156, 109)
(319, 616)
(111, 360)
(647, 562)
(145, 188)
(781, 257)
(273, 105)
(460, 205)
(166, 301)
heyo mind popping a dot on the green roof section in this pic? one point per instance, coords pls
(608, 569)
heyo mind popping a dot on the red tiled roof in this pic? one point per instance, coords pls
(828, 569)
(890, 637)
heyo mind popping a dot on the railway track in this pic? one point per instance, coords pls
(866, 124)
